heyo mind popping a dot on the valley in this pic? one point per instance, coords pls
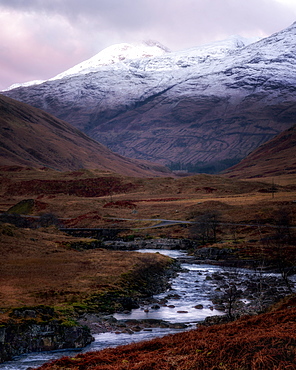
(54, 282)
(247, 211)
(78, 276)
(75, 213)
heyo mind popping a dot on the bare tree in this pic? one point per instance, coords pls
(280, 247)
(229, 293)
(205, 226)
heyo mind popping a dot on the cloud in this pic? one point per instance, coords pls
(40, 38)
(172, 17)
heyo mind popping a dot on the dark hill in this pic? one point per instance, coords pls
(31, 137)
(274, 158)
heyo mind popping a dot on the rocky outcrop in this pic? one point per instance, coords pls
(207, 104)
(213, 253)
(161, 243)
(31, 336)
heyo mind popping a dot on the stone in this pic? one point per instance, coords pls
(199, 306)
(155, 307)
(17, 339)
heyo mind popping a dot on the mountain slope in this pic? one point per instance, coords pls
(207, 104)
(276, 157)
(31, 137)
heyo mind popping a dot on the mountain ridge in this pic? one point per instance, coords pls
(187, 107)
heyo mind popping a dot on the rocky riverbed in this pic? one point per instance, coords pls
(231, 292)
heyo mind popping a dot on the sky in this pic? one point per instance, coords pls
(41, 38)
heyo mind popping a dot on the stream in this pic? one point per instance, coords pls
(187, 302)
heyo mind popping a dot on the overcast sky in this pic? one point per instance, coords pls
(41, 38)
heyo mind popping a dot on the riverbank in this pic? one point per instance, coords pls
(46, 286)
(41, 328)
(207, 279)
(266, 341)
(82, 286)
(232, 293)
(29, 335)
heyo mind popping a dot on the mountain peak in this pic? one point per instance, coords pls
(116, 54)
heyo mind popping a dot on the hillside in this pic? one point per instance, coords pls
(201, 109)
(31, 137)
(277, 157)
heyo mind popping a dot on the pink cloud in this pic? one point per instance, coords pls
(33, 48)
(40, 39)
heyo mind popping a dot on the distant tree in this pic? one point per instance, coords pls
(205, 226)
(280, 247)
(48, 219)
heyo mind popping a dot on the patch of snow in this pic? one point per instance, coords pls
(25, 84)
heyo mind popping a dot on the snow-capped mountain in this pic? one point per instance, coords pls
(206, 104)
(119, 55)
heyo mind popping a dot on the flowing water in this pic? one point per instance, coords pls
(188, 301)
(189, 289)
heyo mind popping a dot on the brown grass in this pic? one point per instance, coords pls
(140, 199)
(264, 342)
(38, 267)
(153, 198)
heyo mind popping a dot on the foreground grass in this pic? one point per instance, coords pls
(263, 342)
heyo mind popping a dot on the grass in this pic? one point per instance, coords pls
(92, 195)
(24, 207)
(38, 267)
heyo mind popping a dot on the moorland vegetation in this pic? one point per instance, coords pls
(42, 266)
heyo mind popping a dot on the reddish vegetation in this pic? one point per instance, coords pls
(158, 200)
(82, 188)
(131, 204)
(40, 206)
(263, 342)
(82, 219)
(208, 189)
(120, 204)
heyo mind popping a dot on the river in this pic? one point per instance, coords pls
(188, 302)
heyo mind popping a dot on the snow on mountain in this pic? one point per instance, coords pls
(120, 55)
(214, 102)
(25, 84)
(114, 54)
